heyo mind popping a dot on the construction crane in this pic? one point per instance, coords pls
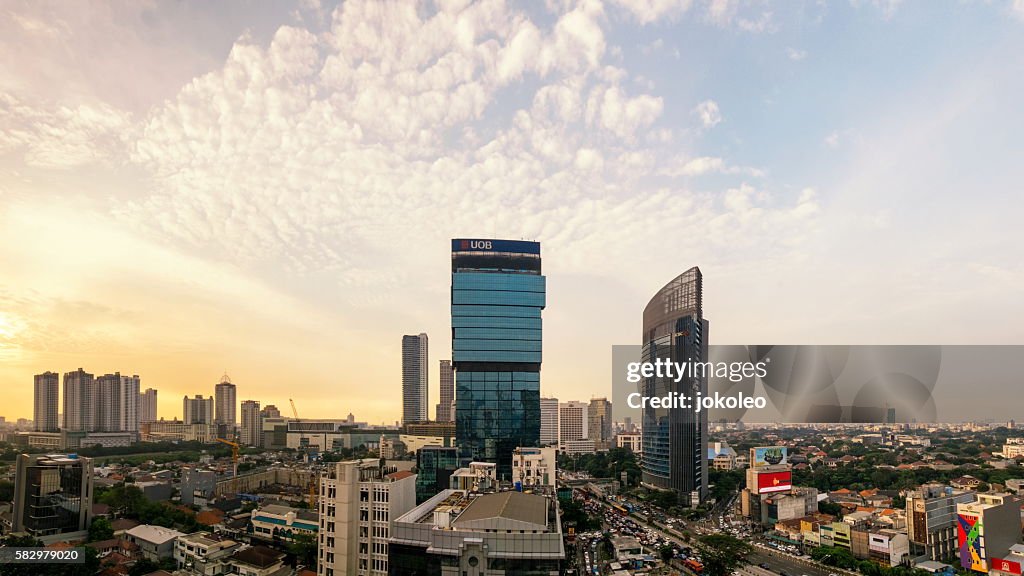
(313, 476)
(234, 462)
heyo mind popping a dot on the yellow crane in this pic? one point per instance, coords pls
(313, 480)
(234, 462)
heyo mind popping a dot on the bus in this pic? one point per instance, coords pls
(693, 565)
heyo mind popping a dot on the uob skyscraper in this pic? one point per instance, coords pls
(498, 293)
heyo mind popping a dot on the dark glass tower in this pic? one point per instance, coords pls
(498, 293)
(675, 439)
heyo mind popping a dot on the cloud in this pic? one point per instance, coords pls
(688, 167)
(832, 140)
(308, 184)
(60, 136)
(796, 54)
(648, 11)
(708, 114)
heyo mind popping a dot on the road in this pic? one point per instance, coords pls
(777, 562)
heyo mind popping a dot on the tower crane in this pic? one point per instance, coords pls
(234, 462)
(313, 476)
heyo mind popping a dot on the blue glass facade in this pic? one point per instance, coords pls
(498, 294)
(675, 439)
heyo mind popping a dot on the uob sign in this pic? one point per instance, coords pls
(477, 244)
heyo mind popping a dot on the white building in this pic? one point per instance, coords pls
(147, 406)
(205, 553)
(631, 442)
(358, 500)
(573, 422)
(549, 421)
(197, 410)
(577, 447)
(44, 414)
(79, 411)
(276, 522)
(478, 476)
(415, 379)
(459, 533)
(534, 466)
(155, 542)
(252, 423)
(226, 395)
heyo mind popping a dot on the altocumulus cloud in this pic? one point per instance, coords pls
(327, 149)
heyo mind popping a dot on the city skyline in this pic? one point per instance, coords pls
(270, 191)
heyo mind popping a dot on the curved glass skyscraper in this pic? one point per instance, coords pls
(498, 293)
(675, 439)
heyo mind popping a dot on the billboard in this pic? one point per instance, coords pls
(968, 536)
(485, 245)
(768, 456)
(768, 482)
(1006, 566)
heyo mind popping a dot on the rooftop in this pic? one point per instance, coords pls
(155, 534)
(511, 505)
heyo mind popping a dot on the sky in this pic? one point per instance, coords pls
(269, 189)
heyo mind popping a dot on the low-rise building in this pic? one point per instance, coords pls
(463, 533)
(205, 554)
(276, 523)
(155, 542)
(534, 467)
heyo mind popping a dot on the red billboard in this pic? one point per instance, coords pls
(1007, 566)
(768, 482)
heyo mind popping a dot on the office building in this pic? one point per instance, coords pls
(434, 467)
(270, 411)
(599, 417)
(573, 423)
(444, 407)
(226, 404)
(460, 533)
(533, 467)
(675, 439)
(415, 382)
(79, 409)
(177, 431)
(549, 421)
(252, 423)
(498, 293)
(932, 520)
(147, 406)
(630, 441)
(45, 402)
(197, 410)
(52, 494)
(358, 500)
(986, 529)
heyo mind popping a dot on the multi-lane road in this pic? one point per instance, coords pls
(777, 562)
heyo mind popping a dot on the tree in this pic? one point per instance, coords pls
(143, 567)
(100, 529)
(666, 553)
(6, 490)
(723, 554)
(303, 547)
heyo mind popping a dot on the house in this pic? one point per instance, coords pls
(155, 542)
(966, 482)
(258, 561)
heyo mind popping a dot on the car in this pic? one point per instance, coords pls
(765, 566)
